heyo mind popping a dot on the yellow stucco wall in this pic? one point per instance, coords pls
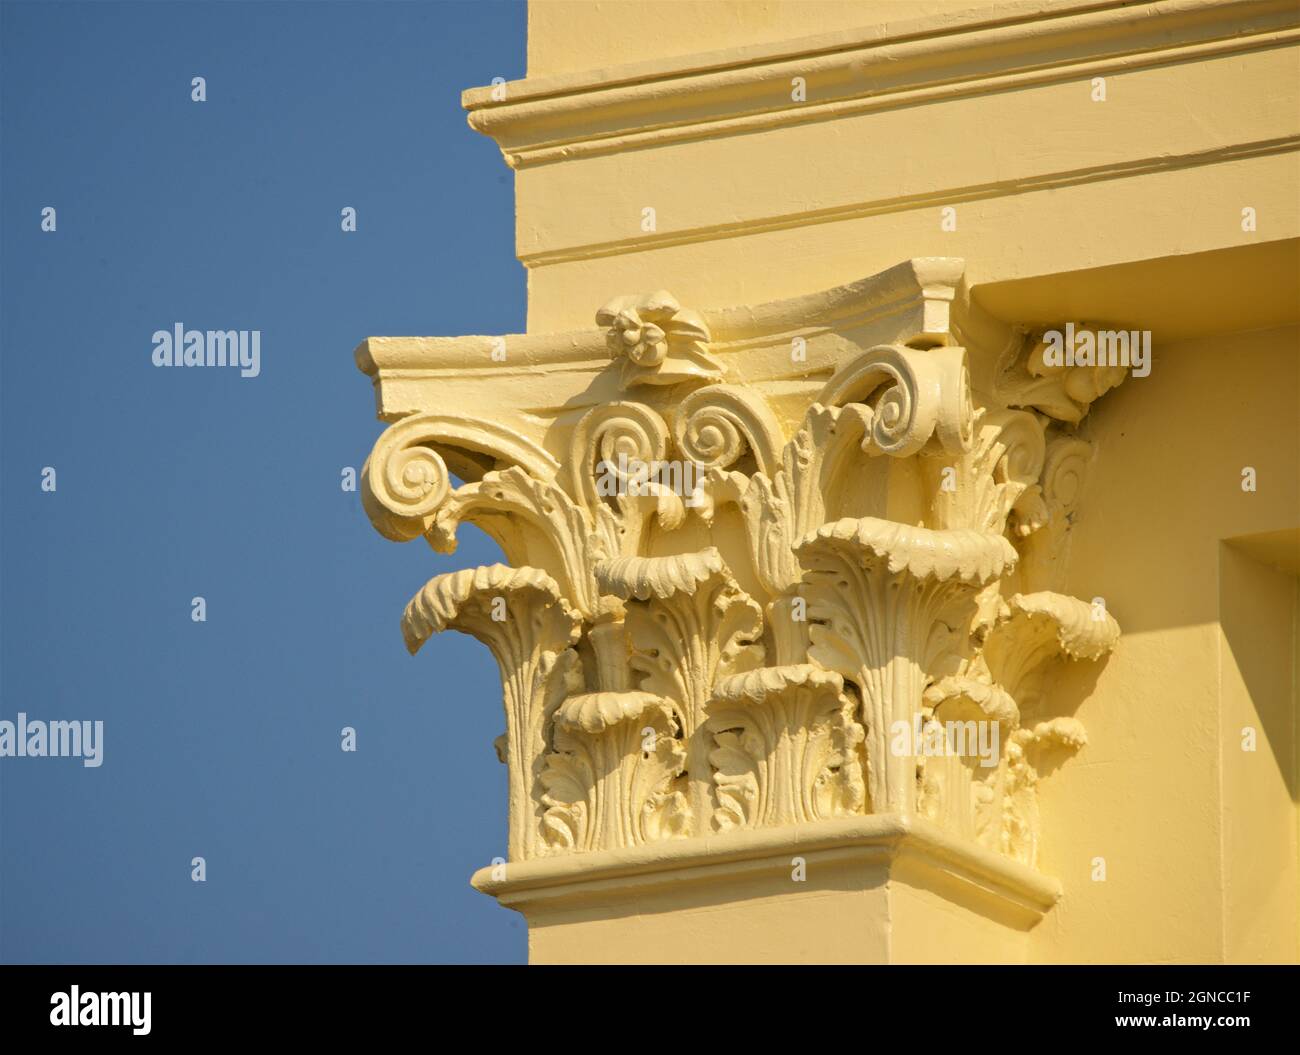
(1043, 178)
(1126, 211)
(1198, 835)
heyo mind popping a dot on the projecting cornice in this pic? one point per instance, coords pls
(757, 555)
(560, 117)
(541, 379)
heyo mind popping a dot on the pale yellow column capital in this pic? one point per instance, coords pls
(782, 579)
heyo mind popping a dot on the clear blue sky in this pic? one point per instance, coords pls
(222, 739)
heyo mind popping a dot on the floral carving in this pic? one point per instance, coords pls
(688, 624)
(611, 781)
(787, 748)
(872, 543)
(1064, 392)
(885, 602)
(658, 341)
(521, 617)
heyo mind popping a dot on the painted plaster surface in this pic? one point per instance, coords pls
(878, 372)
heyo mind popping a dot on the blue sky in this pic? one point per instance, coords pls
(222, 738)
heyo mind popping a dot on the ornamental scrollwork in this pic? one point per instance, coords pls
(850, 562)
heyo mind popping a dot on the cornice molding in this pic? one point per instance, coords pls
(745, 548)
(912, 303)
(558, 118)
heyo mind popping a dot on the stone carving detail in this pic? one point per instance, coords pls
(885, 602)
(405, 479)
(787, 748)
(521, 617)
(688, 624)
(911, 398)
(720, 425)
(864, 560)
(1064, 392)
(658, 341)
(611, 781)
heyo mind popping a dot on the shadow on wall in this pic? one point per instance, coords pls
(1259, 605)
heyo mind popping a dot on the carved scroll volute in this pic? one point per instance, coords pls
(406, 492)
(718, 426)
(402, 485)
(884, 601)
(405, 480)
(607, 444)
(521, 617)
(890, 400)
(916, 398)
(786, 748)
(688, 623)
(724, 428)
(612, 780)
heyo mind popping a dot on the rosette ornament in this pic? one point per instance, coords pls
(658, 341)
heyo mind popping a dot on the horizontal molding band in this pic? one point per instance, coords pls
(890, 837)
(541, 123)
(917, 292)
(666, 68)
(945, 196)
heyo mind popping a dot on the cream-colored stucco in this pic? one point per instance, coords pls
(697, 774)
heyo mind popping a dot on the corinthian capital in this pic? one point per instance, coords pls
(747, 549)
